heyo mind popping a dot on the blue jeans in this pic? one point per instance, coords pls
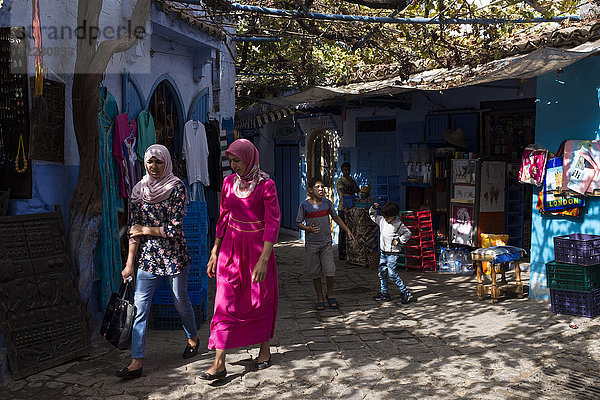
(387, 267)
(144, 290)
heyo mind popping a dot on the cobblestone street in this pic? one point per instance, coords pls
(445, 345)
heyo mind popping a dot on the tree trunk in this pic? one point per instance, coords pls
(86, 204)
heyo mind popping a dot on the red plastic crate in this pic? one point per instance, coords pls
(410, 215)
(428, 253)
(414, 240)
(424, 216)
(429, 265)
(411, 224)
(427, 244)
(426, 227)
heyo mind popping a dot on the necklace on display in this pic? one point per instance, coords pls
(2, 149)
(19, 148)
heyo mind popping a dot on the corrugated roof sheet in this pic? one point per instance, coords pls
(571, 35)
(534, 63)
(182, 14)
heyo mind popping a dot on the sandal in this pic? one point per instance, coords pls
(333, 303)
(211, 377)
(321, 306)
(263, 364)
(191, 351)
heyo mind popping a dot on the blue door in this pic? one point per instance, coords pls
(435, 126)
(287, 180)
(199, 108)
(376, 156)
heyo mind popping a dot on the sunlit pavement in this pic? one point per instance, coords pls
(445, 345)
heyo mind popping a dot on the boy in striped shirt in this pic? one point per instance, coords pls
(315, 211)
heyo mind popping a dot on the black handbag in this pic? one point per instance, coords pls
(118, 319)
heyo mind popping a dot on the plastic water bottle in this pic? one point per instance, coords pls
(458, 261)
(452, 260)
(467, 263)
(443, 260)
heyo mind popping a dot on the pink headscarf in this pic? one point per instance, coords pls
(244, 185)
(153, 190)
(245, 151)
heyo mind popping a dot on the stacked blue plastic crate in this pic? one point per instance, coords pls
(574, 277)
(195, 229)
(514, 212)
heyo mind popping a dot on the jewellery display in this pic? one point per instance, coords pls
(19, 148)
(15, 173)
(2, 149)
(47, 124)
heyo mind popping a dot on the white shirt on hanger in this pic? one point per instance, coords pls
(195, 152)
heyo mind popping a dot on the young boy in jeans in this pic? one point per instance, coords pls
(319, 254)
(392, 234)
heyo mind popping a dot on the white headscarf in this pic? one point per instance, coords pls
(154, 190)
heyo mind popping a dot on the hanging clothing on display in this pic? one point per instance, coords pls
(213, 139)
(195, 152)
(225, 167)
(107, 257)
(124, 150)
(197, 192)
(146, 136)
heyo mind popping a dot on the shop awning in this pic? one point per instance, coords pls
(262, 119)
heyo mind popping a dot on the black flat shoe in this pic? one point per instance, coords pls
(127, 374)
(210, 377)
(263, 364)
(191, 351)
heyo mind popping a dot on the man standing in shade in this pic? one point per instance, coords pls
(346, 186)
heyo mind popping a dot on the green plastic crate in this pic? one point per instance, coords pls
(572, 277)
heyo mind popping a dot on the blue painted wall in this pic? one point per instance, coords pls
(52, 184)
(567, 108)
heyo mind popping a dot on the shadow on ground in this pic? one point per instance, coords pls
(445, 345)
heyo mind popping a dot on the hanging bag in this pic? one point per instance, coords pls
(118, 319)
(533, 165)
(554, 198)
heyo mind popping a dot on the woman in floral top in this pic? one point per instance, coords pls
(157, 241)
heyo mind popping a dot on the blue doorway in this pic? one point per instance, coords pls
(287, 180)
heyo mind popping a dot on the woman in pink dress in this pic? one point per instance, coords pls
(242, 259)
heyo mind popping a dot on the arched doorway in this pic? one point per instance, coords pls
(320, 159)
(167, 112)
